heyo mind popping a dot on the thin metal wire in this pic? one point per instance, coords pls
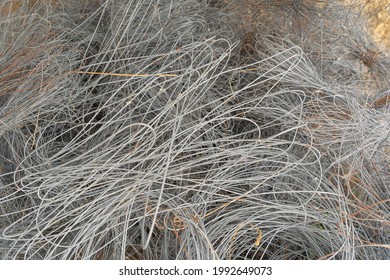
(142, 130)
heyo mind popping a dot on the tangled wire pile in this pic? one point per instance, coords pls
(179, 130)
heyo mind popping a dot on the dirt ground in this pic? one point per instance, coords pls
(377, 12)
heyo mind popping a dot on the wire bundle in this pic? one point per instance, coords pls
(156, 130)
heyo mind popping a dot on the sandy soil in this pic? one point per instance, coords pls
(377, 12)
